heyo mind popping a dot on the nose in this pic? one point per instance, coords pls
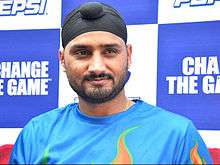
(97, 64)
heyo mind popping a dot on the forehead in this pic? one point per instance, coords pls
(96, 38)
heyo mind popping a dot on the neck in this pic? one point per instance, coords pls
(119, 104)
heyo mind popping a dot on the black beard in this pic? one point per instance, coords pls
(100, 95)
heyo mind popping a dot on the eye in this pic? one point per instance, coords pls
(111, 51)
(82, 53)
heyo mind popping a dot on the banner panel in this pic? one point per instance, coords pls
(134, 12)
(30, 14)
(179, 11)
(29, 71)
(188, 72)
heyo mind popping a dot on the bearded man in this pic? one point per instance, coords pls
(105, 126)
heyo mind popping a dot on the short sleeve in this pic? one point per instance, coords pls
(22, 147)
(193, 149)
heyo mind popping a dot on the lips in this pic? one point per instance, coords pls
(99, 81)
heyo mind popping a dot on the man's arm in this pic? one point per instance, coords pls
(22, 148)
(193, 149)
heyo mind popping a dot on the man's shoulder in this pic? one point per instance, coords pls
(170, 117)
(52, 116)
(164, 117)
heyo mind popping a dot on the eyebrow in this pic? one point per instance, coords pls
(84, 46)
(110, 45)
(78, 46)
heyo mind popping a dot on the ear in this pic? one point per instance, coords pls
(129, 54)
(62, 60)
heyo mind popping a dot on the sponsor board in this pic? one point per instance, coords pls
(134, 12)
(193, 3)
(23, 7)
(179, 11)
(30, 14)
(28, 75)
(188, 72)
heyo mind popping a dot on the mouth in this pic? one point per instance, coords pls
(99, 81)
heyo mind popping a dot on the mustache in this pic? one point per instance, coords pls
(94, 76)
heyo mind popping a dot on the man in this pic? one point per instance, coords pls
(105, 126)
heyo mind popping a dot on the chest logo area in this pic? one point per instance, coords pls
(123, 155)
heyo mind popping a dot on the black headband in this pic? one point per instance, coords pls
(93, 16)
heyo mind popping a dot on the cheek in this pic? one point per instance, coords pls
(120, 69)
(73, 71)
(121, 64)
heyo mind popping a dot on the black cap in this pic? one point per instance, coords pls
(93, 16)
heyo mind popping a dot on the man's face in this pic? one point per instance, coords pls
(96, 64)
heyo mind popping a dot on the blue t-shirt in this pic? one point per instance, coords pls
(142, 134)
